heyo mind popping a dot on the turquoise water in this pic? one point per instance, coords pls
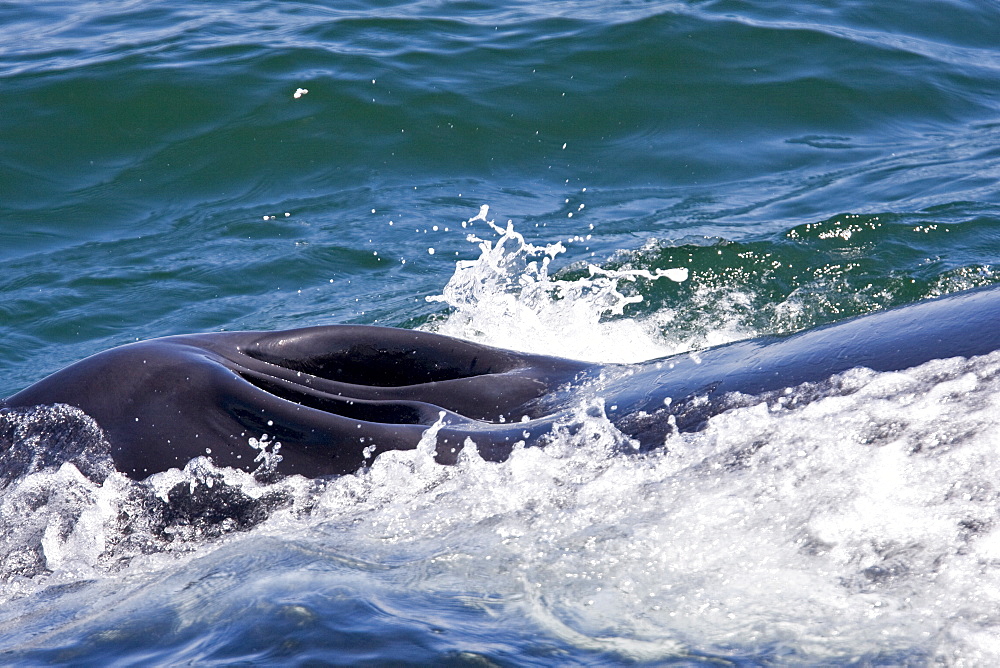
(171, 167)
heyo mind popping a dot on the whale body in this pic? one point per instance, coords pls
(336, 396)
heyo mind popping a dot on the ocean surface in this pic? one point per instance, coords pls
(176, 166)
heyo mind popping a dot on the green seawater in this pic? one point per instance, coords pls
(177, 166)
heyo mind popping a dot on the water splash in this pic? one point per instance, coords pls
(860, 527)
(507, 297)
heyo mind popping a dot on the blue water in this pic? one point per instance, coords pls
(177, 166)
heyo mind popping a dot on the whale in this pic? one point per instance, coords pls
(334, 397)
(327, 400)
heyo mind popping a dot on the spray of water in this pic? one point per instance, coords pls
(862, 526)
(507, 297)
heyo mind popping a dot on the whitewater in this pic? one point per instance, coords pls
(862, 526)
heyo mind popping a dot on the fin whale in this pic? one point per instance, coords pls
(336, 396)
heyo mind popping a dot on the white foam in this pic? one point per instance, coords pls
(862, 523)
(507, 298)
(858, 524)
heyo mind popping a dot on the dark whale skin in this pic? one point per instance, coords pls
(325, 393)
(336, 396)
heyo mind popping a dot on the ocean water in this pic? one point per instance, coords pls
(612, 181)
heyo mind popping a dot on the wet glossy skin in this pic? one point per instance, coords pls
(325, 393)
(337, 396)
